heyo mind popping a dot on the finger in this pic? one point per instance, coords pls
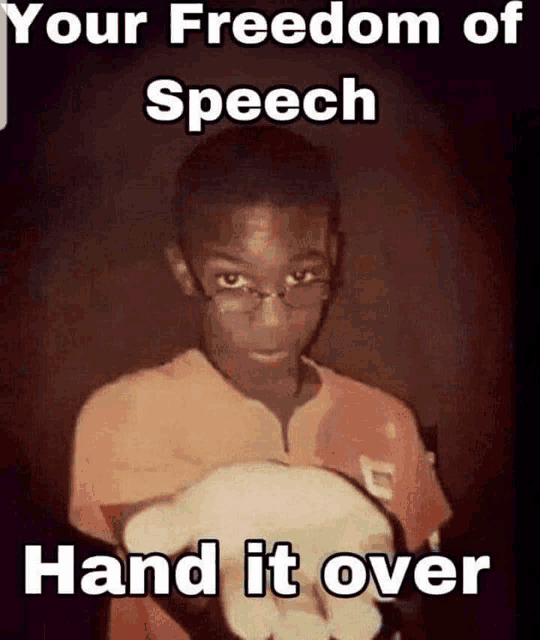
(249, 618)
(353, 618)
(159, 529)
(301, 625)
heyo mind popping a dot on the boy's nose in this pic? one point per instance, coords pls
(272, 315)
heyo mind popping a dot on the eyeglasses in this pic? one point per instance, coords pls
(247, 299)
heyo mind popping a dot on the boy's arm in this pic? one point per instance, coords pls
(422, 507)
(410, 605)
(117, 472)
(184, 611)
(418, 502)
(122, 459)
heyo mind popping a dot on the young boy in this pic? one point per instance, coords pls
(258, 249)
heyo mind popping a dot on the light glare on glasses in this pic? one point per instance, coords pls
(248, 298)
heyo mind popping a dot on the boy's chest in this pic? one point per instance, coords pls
(365, 448)
(231, 435)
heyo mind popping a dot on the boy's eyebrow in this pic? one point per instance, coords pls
(216, 254)
(312, 254)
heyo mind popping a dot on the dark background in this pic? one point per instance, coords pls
(426, 312)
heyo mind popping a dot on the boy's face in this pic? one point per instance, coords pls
(271, 249)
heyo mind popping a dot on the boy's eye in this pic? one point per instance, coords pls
(231, 281)
(300, 277)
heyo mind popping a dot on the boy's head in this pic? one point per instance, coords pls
(257, 209)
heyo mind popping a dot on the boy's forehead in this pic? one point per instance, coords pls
(252, 227)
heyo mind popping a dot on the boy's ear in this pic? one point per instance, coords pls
(180, 270)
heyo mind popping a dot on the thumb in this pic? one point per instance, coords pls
(159, 529)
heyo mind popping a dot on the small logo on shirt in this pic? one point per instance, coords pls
(379, 477)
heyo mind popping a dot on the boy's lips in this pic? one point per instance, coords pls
(268, 356)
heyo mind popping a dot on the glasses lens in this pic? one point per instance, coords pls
(237, 300)
(244, 300)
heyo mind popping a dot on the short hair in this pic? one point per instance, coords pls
(245, 165)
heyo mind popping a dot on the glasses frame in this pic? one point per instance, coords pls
(258, 293)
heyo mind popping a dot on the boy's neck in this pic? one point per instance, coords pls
(282, 396)
(278, 393)
(283, 401)
(293, 391)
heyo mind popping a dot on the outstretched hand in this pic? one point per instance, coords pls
(318, 511)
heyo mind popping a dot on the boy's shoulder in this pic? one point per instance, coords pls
(189, 383)
(361, 412)
(347, 390)
(149, 387)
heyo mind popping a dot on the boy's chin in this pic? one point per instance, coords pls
(259, 366)
(270, 374)
(270, 358)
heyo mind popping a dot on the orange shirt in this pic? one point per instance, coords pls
(160, 431)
